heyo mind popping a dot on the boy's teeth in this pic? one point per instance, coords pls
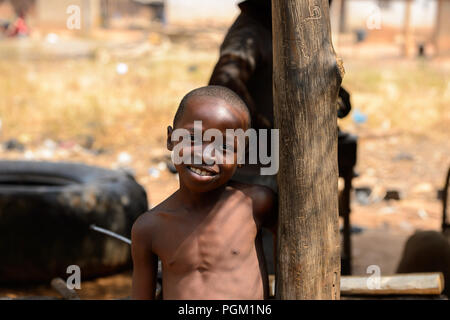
(200, 171)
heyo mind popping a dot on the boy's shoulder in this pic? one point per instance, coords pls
(263, 197)
(151, 219)
(251, 190)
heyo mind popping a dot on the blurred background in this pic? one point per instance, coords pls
(102, 89)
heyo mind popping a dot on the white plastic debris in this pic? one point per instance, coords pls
(49, 144)
(161, 166)
(422, 214)
(387, 210)
(52, 38)
(29, 155)
(124, 158)
(45, 153)
(122, 68)
(154, 173)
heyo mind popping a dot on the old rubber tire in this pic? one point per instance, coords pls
(46, 209)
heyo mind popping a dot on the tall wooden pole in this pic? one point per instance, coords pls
(306, 83)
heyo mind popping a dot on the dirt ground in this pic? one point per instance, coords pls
(52, 106)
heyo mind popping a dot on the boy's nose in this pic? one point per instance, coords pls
(208, 157)
(204, 155)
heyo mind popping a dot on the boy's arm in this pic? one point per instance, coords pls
(145, 263)
(265, 207)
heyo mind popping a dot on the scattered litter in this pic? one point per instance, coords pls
(377, 194)
(29, 155)
(45, 153)
(13, 144)
(392, 195)
(422, 214)
(387, 210)
(353, 229)
(362, 195)
(192, 68)
(403, 156)
(124, 158)
(359, 117)
(52, 38)
(361, 35)
(49, 144)
(122, 68)
(424, 187)
(88, 142)
(357, 229)
(67, 144)
(154, 173)
(162, 166)
(99, 151)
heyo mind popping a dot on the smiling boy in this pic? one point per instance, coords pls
(208, 233)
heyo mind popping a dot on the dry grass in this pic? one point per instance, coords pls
(66, 99)
(410, 96)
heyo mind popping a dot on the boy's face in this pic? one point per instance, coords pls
(214, 113)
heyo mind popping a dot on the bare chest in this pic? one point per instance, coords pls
(220, 242)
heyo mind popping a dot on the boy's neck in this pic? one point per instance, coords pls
(198, 200)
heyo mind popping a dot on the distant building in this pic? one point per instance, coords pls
(392, 12)
(53, 13)
(412, 22)
(202, 11)
(128, 13)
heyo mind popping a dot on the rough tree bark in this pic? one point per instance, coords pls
(307, 77)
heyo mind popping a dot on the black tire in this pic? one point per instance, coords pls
(46, 209)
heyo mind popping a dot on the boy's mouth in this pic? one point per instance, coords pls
(202, 171)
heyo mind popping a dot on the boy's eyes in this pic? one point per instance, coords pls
(224, 147)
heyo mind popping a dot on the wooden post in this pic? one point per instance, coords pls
(307, 78)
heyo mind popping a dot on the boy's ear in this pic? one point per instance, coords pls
(169, 138)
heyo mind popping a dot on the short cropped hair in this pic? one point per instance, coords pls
(229, 96)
